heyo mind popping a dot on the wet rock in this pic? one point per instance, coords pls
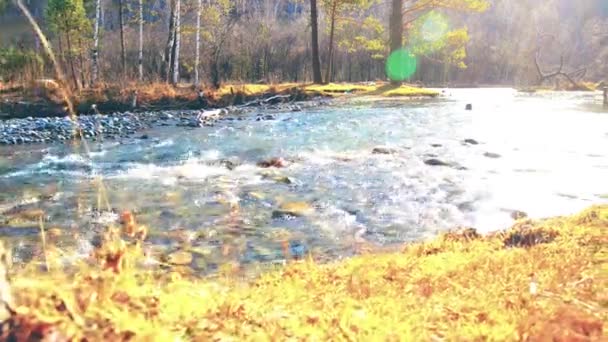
(257, 195)
(179, 258)
(273, 162)
(384, 150)
(280, 179)
(144, 137)
(469, 106)
(297, 249)
(465, 206)
(297, 209)
(491, 155)
(436, 145)
(436, 162)
(518, 215)
(471, 141)
(54, 233)
(229, 164)
(168, 214)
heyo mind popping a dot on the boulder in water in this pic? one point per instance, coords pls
(469, 106)
(436, 162)
(491, 155)
(273, 162)
(471, 141)
(229, 164)
(384, 150)
(518, 214)
(293, 209)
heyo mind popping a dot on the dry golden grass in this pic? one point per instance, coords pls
(539, 281)
(113, 96)
(379, 89)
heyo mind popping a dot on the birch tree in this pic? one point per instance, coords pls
(176, 46)
(121, 21)
(169, 47)
(197, 56)
(140, 59)
(95, 52)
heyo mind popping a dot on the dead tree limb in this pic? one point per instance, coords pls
(570, 76)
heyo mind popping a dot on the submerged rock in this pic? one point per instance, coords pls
(436, 162)
(517, 214)
(471, 141)
(229, 164)
(273, 162)
(384, 150)
(491, 155)
(293, 209)
(179, 258)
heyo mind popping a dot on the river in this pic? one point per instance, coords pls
(543, 154)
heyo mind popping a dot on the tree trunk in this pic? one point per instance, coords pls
(197, 52)
(71, 61)
(83, 79)
(168, 61)
(140, 59)
(61, 51)
(95, 52)
(122, 37)
(330, 61)
(316, 62)
(350, 67)
(177, 42)
(396, 27)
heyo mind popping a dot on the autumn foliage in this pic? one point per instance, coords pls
(538, 281)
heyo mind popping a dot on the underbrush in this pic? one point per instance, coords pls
(538, 281)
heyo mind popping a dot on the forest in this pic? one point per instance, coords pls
(304, 170)
(467, 42)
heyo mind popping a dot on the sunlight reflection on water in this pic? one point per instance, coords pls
(542, 154)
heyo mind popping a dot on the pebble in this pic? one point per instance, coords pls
(179, 258)
(115, 125)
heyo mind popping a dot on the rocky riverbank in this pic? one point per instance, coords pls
(128, 124)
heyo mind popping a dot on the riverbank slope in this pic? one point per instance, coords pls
(42, 99)
(538, 281)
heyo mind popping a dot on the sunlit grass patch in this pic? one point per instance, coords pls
(250, 89)
(339, 88)
(407, 91)
(372, 89)
(458, 286)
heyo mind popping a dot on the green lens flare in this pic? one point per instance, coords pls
(401, 65)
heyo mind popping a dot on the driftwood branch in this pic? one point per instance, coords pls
(571, 76)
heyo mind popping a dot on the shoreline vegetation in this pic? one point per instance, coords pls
(41, 99)
(541, 280)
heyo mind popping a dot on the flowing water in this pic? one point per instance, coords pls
(548, 155)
